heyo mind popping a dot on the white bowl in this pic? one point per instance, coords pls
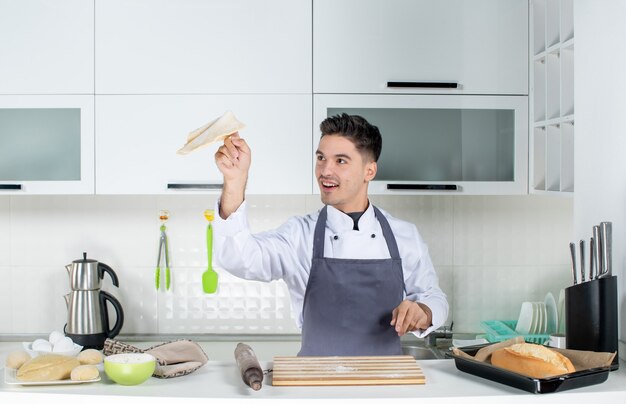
(28, 348)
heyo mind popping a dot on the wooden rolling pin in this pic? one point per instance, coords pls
(251, 371)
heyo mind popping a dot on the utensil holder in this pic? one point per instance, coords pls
(591, 316)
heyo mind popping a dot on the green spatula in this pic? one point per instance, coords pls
(209, 277)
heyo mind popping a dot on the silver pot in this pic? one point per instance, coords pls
(87, 274)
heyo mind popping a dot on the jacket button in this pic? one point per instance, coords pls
(336, 237)
(373, 235)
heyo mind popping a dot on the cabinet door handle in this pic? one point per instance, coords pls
(422, 84)
(10, 187)
(191, 187)
(426, 187)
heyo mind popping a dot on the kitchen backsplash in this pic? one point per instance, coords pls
(491, 253)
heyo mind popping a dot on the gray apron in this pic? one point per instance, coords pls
(348, 302)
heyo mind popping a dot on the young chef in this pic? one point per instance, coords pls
(358, 277)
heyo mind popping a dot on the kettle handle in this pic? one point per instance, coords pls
(102, 268)
(119, 321)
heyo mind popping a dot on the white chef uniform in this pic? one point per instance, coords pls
(286, 253)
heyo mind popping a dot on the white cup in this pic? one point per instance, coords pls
(557, 341)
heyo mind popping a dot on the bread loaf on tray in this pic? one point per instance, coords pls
(532, 360)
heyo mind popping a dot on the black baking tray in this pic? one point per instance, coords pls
(553, 384)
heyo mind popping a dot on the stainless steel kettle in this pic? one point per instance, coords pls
(88, 317)
(87, 274)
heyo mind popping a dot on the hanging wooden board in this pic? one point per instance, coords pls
(346, 370)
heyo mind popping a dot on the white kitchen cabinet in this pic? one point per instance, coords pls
(46, 144)
(441, 144)
(552, 97)
(203, 46)
(359, 46)
(46, 47)
(138, 136)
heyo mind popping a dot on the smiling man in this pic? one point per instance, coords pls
(358, 278)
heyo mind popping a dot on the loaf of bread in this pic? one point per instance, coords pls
(16, 359)
(84, 372)
(90, 357)
(532, 360)
(46, 368)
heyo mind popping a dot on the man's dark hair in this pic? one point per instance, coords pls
(365, 136)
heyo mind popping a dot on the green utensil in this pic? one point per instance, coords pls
(163, 249)
(209, 277)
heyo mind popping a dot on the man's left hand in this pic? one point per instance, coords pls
(410, 316)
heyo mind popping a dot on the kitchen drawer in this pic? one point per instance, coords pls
(138, 136)
(361, 45)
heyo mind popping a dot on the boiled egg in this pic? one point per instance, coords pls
(65, 344)
(55, 337)
(41, 345)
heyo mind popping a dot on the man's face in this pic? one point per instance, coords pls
(342, 174)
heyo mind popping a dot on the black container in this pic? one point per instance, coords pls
(553, 384)
(591, 320)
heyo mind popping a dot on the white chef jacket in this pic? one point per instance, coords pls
(286, 253)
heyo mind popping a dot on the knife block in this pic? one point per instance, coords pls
(591, 321)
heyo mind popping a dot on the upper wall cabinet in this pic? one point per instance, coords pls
(442, 144)
(203, 46)
(420, 46)
(138, 136)
(46, 144)
(46, 47)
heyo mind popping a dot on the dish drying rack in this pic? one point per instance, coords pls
(501, 330)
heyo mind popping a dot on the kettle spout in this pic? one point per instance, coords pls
(69, 268)
(67, 300)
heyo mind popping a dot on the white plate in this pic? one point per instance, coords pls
(10, 378)
(535, 321)
(543, 318)
(552, 314)
(561, 318)
(525, 318)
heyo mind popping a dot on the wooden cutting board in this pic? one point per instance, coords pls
(346, 370)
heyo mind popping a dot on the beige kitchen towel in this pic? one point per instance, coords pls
(214, 131)
(174, 358)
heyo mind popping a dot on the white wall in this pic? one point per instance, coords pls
(491, 253)
(600, 99)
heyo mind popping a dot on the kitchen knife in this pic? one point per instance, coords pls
(592, 263)
(607, 234)
(597, 250)
(572, 250)
(582, 261)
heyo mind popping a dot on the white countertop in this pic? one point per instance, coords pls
(219, 380)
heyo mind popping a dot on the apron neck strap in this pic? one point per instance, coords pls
(394, 252)
(320, 231)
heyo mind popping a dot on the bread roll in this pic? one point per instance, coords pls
(16, 359)
(84, 372)
(90, 357)
(46, 368)
(532, 360)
